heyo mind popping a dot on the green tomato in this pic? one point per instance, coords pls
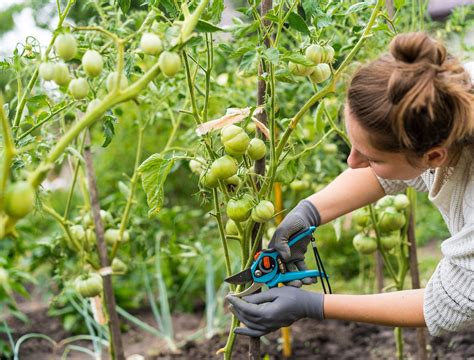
(391, 240)
(92, 63)
(251, 127)
(256, 149)
(384, 202)
(263, 211)
(47, 71)
(65, 46)
(78, 233)
(118, 266)
(4, 277)
(321, 73)
(209, 179)
(79, 88)
(170, 63)
(61, 74)
(90, 240)
(224, 167)
(197, 166)
(233, 180)
(151, 44)
(112, 236)
(19, 199)
(89, 286)
(390, 220)
(234, 139)
(231, 228)
(330, 148)
(239, 209)
(401, 202)
(299, 185)
(328, 52)
(364, 244)
(299, 69)
(361, 217)
(92, 105)
(106, 218)
(315, 53)
(112, 81)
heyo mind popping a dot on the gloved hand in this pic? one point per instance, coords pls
(270, 310)
(299, 219)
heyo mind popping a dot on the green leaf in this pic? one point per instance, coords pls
(297, 58)
(124, 5)
(320, 124)
(399, 4)
(153, 172)
(310, 7)
(39, 99)
(244, 29)
(284, 75)
(109, 130)
(216, 10)
(356, 7)
(322, 19)
(337, 225)
(288, 170)
(272, 55)
(248, 62)
(240, 51)
(271, 16)
(297, 22)
(204, 26)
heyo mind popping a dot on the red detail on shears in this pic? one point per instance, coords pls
(266, 262)
(255, 257)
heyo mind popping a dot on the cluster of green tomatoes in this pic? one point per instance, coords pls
(82, 237)
(229, 170)
(320, 56)
(390, 213)
(92, 61)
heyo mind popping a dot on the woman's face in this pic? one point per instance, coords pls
(387, 165)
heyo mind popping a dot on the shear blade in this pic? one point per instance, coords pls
(254, 287)
(242, 277)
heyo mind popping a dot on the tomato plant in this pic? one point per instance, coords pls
(157, 80)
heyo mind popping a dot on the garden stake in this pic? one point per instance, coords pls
(116, 348)
(414, 272)
(254, 343)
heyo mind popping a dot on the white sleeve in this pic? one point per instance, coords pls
(449, 295)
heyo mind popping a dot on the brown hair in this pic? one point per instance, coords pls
(415, 98)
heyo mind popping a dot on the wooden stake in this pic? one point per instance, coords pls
(414, 272)
(116, 349)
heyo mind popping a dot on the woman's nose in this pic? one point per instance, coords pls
(357, 161)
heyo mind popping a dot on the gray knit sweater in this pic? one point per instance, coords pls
(449, 294)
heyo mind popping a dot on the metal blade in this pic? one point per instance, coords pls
(242, 277)
(254, 287)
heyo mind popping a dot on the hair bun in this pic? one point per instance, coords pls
(417, 47)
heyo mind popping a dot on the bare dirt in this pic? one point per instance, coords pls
(311, 340)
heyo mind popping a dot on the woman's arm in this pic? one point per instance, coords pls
(351, 190)
(400, 308)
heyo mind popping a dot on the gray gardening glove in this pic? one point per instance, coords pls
(299, 219)
(270, 310)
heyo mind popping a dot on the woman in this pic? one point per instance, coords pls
(409, 116)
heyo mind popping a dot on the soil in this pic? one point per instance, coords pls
(311, 340)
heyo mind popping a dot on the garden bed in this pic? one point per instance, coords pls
(311, 340)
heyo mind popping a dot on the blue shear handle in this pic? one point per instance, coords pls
(293, 275)
(301, 235)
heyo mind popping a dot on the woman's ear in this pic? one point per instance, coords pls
(436, 157)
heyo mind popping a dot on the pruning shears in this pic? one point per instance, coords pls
(269, 269)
